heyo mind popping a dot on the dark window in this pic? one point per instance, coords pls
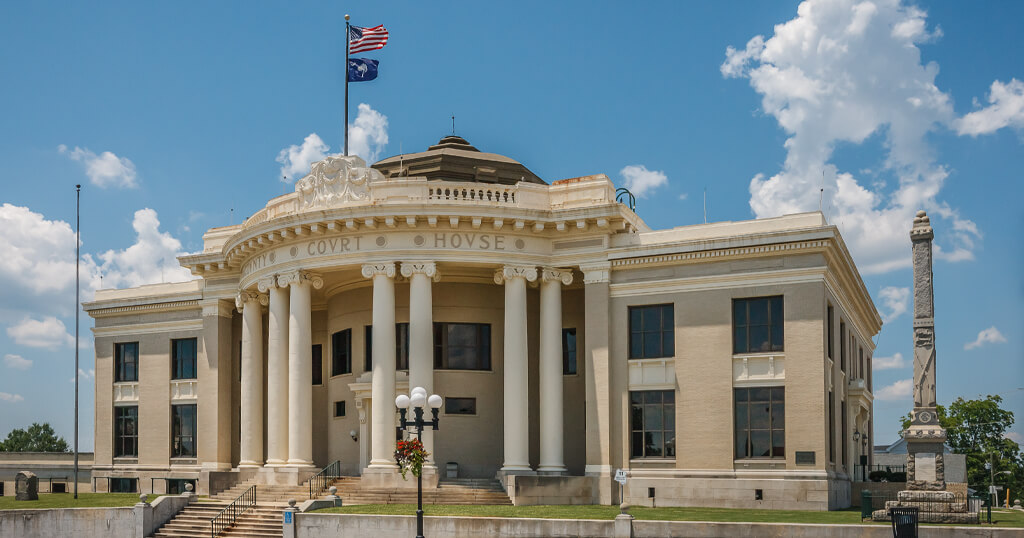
(126, 432)
(183, 358)
(339, 408)
(842, 346)
(401, 347)
(58, 487)
(318, 364)
(757, 324)
(831, 427)
(652, 424)
(460, 406)
(842, 409)
(176, 486)
(860, 371)
(124, 485)
(568, 351)
(830, 329)
(126, 362)
(341, 352)
(760, 422)
(462, 346)
(183, 431)
(869, 373)
(651, 331)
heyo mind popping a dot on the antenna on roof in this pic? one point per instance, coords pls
(232, 216)
(705, 205)
(453, 124)
(401, 160)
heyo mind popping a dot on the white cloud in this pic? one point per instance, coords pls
(641, 181)
(889, 363)
(48, 333)
(683, 196)
(296, 160)
(104, 170)
(368, 134)
(84, 375)
(39, 254)
(1006, 109)
(13, 398)
(1015, 437)
(895, 300)
(990, 335)
(17, 362)
(151, 259)
(842, 72)
(899, 390)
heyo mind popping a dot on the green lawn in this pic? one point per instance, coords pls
(67, 500)
(840, 517)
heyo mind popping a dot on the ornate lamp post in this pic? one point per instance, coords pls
(418, 399)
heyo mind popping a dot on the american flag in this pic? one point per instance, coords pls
(364, 39)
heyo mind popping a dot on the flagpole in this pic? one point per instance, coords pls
(347, 37)
(78, 242)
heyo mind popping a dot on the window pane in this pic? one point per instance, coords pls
(656, 448)
(776, 334)
(760, 444)
(778, 415)
(636, 345)
(669, 396)
(778, 394)
(669, 418)
(652, 417)
(636, 449)
(759, 335)
(760, 394)
(742, 417)
(739, 339)
(461, 334)
(667, 344)
(651, 319)
(634, 319)
(775, 304)
(670, 444)
(778, 444)
(759, 416)
(652, 345)
(460, 406)
(741, 395)
(636, 397)
(739, 312)
(667, 317)
(742, 450)
(637, 417)
(758, 311)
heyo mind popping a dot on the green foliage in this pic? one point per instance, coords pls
(977, 429)
(38, 438)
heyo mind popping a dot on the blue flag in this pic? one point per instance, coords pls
(362, 69)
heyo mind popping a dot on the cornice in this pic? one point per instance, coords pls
(713, 282)
(698, 256)
(149, 328)
(151, 308)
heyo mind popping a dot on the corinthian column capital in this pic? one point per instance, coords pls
(246, 296)
(371, 270)
(551, 274)
(509, 272)
(300, 277)
(425, 268)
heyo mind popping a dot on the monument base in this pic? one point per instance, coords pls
(932, 506)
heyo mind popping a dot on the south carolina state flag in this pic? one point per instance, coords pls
(362, 69)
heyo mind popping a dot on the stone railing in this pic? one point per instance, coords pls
(757, 368)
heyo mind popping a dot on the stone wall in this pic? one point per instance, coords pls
(525, 490)
(72, 522)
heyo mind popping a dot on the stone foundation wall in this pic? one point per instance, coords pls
(72, 522)
(526, 490)
(776, 494)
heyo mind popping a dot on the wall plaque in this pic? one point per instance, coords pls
(924, 466)
(804, 458)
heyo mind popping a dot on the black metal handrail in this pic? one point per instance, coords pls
(226, 517)
(323, 480)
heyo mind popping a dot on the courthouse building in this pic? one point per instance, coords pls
(726, 364)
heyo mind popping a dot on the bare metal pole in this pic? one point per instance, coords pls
(78, 243)
(347, 37)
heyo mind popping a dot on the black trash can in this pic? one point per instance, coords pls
(904, 522)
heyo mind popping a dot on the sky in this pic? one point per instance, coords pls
(178, 117)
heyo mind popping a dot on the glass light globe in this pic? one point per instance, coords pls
(418, 399)
(420, 390)
(434, 401)
(402, 401)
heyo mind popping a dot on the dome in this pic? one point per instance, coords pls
(453, 158)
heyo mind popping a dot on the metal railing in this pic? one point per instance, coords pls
(323, 480)
(227, 517)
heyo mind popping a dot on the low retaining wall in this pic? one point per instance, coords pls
(529, 490)
(73, 522)
(332, 525)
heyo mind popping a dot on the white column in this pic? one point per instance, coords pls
(277, 372)
(552, 458)
(251, 442)
(421, 334)
(516, 404)
(382, 391)
(300, 366)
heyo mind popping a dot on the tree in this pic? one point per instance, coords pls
(977, 429)
(38, 438)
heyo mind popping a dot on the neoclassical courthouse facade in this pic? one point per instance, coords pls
(725, 363)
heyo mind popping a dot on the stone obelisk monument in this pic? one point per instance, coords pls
(926, 480)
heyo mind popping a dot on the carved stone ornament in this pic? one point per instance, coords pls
(246, 296)
(371, 270)
(264, 284)
(292, 278)
(335, 181)
(553, 273)
(597, 273)
(425, 268)
(508, 272)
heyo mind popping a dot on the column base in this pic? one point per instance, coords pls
(552, 470)
(287, 476)
(276, 463)
(299, 464)
(249, 465)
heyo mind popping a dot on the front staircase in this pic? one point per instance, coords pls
(264, 521)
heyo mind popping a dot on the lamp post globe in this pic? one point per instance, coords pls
(418, 399)
(402, 401)
(434, 401)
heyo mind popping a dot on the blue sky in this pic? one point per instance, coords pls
(171, 116)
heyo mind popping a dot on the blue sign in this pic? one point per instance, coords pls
(287, 518)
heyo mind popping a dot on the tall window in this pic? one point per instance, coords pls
(651, 331)
(830, 329)
(126, 361)
(183, 431)
(869, 373)
(183, 358)
(842, 346)
(462, 346)
(831, 427)
(760, 422)
(757, 324)
(318, 364)
(860, 371)
(341, 352)
(652, 424)
(568, 351)
(126, 431)
(401, 347)
(842, 409)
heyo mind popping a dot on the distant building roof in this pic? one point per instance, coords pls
(455, 159)
(900, 447)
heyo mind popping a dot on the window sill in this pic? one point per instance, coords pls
(654, 461)
(126, 460)
(191, 460)
(340, 375)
